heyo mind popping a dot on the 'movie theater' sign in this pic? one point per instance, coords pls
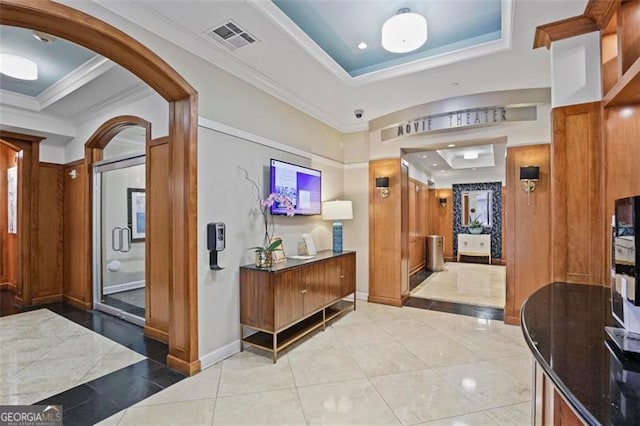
(458, 120)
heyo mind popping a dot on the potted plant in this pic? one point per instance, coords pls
(475, 227)
(264, 253)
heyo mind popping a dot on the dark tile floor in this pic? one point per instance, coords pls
(98, 399)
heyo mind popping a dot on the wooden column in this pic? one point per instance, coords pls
(577, 209)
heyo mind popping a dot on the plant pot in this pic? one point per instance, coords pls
(477, 230)
(264, 259)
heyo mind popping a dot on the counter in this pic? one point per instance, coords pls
(563, 325)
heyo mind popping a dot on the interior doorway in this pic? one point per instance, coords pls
(8, 216)
(119, 237)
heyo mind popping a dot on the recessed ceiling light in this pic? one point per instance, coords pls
(18, 67)
(441, 171)
(362, 45)
(435, 164)
(404, 32)
(451, 145)
(471, 155)
(424, 156)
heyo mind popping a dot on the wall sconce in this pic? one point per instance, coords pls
(528, 177)
(382, 183)
(443, 202)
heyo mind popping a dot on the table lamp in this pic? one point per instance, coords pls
(337, 211)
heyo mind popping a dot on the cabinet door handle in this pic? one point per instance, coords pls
(303, 291)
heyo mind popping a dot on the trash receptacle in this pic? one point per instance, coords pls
(435, 252)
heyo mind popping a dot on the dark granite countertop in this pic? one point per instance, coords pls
(563, 325)
(289, 263)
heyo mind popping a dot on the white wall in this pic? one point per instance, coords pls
(356, 231)
(225, 196)
(152, 108)
(575, 70)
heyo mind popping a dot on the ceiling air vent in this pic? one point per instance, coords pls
(231, 35)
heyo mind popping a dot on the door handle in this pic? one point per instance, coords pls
(127, 232)
(116, 231)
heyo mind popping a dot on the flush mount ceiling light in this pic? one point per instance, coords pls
(471, 155)
(404, 32)
(18, 67)
(362, 45)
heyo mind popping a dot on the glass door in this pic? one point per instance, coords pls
(119, 238)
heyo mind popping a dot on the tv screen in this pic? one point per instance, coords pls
(301, 185)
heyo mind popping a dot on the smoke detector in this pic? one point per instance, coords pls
(231, 35)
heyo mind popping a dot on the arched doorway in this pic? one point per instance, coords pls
(181, 175)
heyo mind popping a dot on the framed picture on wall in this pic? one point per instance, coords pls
(136, 215)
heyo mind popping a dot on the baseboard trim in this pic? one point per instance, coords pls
(385, 300)
(220, 354)
(43, 300)
(134, 285)
(362, 296)
(185, 367)
(77, 303)
(512, 320)
(156, 334)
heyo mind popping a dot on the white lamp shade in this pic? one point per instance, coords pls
(18, 67)
(404, 32)
(337, 210)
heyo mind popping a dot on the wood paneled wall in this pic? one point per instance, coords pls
(621, 156)
(441, 219)
(528, 228)
(76, 222)
(157, 241)
(418, 219)
(385, 242)
(49, 254)
(577, 213)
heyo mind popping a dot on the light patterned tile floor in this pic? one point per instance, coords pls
(43, 354)
(469, 283)
(377, 365)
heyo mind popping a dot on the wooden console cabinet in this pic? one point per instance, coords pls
(291, 299)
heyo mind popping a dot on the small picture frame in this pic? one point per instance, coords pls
(136, 216)
(278, 255)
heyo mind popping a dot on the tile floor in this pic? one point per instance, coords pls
(131, 301)
(43, 354)
(377, 365)
(470, 283)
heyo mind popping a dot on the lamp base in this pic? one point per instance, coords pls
(337, 237)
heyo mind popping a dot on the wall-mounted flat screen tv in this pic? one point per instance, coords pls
(301, 185)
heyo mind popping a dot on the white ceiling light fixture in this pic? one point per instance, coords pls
(362, 45)
(18, 67)
(471, 155)
(404, 32)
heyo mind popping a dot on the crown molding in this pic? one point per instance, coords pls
(280, 19)
(18, 100)
(127, 96)
(160, 25)
(35, 121)
(77, 78)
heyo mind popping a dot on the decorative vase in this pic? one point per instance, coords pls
(264, 259)
(476, 230)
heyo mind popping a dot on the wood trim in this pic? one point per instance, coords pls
(188, 368)
(110, 129)
(385, 300)
(80, 28)
(156, 334)
(511, 320)
(76, 303)
(560, 30)
(35, 301)
(159, 141)
(595, 17)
